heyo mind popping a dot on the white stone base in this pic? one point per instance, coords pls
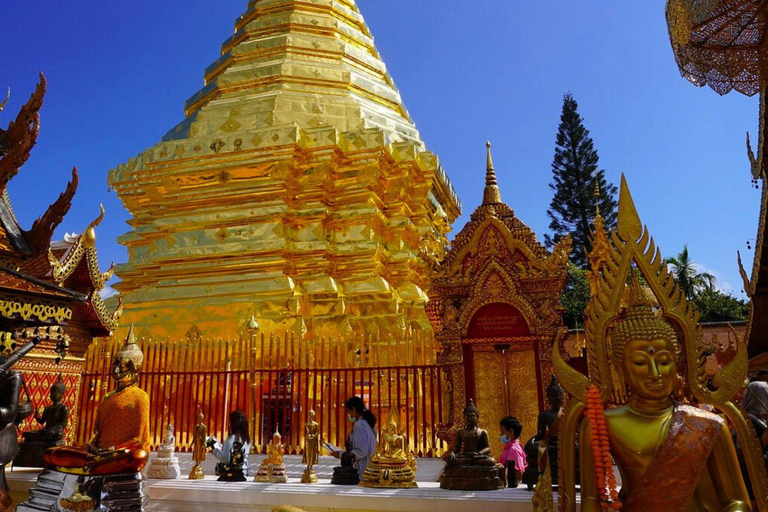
(208, 495)
(164, 468)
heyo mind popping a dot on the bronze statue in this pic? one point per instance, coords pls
(548, 424)
(469, 464)
(346, 473)
(55, 418)
(311, 449)
(392, 465)
(199, 448)
(12, 410)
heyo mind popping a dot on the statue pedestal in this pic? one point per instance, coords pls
(31, 454)
(309, 476)
(196, 473)
(344, 475)
(388, 474)
(164, 467)
(271, 474)
(123, 492)
(471, 478)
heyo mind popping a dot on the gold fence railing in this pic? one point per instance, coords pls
(276, 380)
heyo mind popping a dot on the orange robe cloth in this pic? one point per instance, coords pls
(123, 416)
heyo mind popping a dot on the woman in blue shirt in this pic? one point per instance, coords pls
(238, 431)
(362, 440)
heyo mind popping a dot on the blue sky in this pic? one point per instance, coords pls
(119, 73)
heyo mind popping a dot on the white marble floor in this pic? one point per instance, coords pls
(209, 495)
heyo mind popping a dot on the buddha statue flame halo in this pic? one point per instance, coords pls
(631, 249)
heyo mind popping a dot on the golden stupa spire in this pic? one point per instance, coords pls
(491, 194)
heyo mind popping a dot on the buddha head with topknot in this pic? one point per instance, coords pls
(127, 362)
(644, 347)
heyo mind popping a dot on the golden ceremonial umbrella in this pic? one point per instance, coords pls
(721, 43)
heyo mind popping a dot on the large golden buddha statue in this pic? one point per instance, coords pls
(121, 434)
(672, 455)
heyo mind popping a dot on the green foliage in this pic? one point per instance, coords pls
(685, 272)
(716, 306)
(574, 170)
(575, 297)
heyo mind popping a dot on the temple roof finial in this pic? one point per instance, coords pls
(596, 195)
(491, 194)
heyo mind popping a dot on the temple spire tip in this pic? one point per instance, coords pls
(491, 194)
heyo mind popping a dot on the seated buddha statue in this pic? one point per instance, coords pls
(121, 433)
(54, 418)
(469, 464)
(671, 456)
(233, 471)
(392, 464)
(272, 469)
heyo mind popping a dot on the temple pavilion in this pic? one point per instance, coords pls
(50, 289)
(296, 189)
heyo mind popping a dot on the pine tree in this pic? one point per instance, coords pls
(574, 170)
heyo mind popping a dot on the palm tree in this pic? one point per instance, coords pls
(688, 279)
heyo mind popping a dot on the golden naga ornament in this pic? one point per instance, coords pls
(644, 347)
(393, 464)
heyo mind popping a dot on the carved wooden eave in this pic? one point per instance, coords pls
(75, 263)
(756, 286)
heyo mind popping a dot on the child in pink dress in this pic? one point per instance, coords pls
(510, 429)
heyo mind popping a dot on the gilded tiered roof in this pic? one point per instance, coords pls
(296, 186)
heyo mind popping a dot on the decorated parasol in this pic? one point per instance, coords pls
(721, 43)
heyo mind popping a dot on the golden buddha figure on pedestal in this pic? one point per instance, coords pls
(672, 455)
(311, 454)
(392, 465)
(121, 433)
(272, 469)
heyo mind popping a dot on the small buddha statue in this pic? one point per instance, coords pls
(54, 418)
(199, 448)
(272, 469)
(392, 465)
(122, 425)
(165, 464)
(468, 464)
(346, 473)
(311, 449)
(232, 471)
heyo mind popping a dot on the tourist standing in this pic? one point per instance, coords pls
(362, 440)
(511, 428)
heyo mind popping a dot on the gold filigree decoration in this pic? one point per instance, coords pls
(34, 309)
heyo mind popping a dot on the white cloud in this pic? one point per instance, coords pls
(108, 292)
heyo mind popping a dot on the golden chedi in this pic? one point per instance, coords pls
(296, 187)
(272, 469)
(393, 464)
(671, 454)
(121, 433)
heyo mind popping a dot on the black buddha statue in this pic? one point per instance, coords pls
(469, 464)
(54, 419)
(346, 473)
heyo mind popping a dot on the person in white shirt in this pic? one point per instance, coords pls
(238, 431)
(362, 440)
